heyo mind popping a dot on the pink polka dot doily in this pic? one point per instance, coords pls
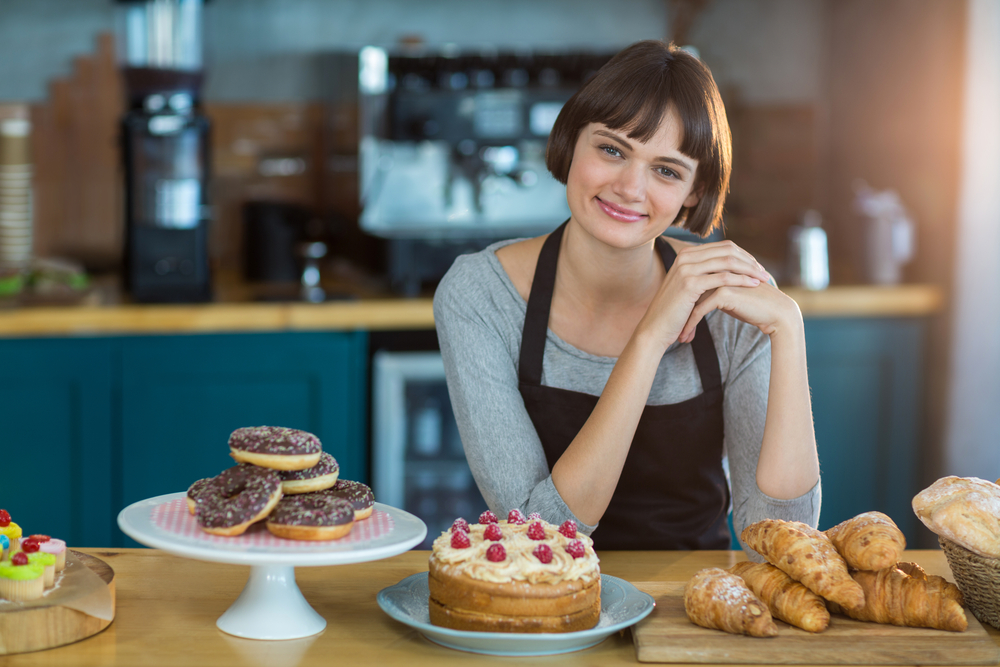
(173, 517)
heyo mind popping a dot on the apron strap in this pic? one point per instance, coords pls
(536, 318)
(703, 347)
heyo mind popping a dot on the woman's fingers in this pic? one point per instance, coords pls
(722, 256)
(763, 306)
(723, 264)
(699, 284)
(712, 301)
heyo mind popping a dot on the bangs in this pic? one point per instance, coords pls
(638, 105)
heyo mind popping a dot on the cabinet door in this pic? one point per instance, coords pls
(865, 376)
(55, 438)
(183, 395)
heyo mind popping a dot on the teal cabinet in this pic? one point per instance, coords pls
(866, 381)
(181, 397)
(89, 426)
(56, 437)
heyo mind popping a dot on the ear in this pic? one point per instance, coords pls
(695, 196)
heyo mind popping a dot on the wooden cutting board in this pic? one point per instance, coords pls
(667, 635)
(37, 628)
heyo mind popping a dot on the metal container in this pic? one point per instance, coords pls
(809, 264)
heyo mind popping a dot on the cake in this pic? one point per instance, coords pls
(518, 575)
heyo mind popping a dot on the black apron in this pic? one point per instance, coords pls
(672, 493)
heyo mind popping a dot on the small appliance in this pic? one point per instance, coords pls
(165, 143)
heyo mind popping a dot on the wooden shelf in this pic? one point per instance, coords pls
(386, 314)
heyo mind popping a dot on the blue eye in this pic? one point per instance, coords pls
(669, 173)
(611, 150)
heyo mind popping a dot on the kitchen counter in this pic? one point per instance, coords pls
(167, 607)
(386, 313)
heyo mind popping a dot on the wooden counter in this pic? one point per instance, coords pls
(381, 314)
(167, 607)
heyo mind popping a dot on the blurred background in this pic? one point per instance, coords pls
(300, 173)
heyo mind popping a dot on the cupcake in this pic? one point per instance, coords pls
(48, 563)
(51, 545)
(31, 548)
(21, 580)
(9, 528)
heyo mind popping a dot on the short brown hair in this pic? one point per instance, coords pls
(634, 91)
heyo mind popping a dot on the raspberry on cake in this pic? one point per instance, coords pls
(514, 577)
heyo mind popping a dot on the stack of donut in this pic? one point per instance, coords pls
(284, 476)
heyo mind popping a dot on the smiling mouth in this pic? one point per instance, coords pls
(618, 213)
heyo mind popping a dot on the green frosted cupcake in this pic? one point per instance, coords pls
(21, 582)
(47, 561)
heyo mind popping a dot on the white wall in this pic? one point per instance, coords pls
(972, 437)
(262, 50)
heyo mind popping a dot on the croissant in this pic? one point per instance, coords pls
(893, 597)
(786, 598)
(716, 599)
(869, 541)
(940, 585)
(808, 556)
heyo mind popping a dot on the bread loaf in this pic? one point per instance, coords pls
(966, 510)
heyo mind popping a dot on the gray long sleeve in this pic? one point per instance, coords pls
(479, 317)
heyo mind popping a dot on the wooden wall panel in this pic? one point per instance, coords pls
(78, 177)
(244, 138)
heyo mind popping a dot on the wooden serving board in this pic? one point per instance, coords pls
(667, 635)
(37, 628)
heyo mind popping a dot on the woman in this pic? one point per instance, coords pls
(603, 373)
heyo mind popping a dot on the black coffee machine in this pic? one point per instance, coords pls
(165, 140)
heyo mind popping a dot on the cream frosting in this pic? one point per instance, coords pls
(520, 564)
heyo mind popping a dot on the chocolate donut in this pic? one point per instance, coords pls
(195, 491)
(359, 495)
(238, 497)
(321, 476)
(311, 516)
(275, 447)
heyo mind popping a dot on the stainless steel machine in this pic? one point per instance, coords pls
(450, 148)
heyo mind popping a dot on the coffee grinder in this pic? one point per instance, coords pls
(165, 139)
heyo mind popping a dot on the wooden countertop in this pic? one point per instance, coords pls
(167, 608)
(376, 314)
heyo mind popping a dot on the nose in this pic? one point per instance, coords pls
(630, 183)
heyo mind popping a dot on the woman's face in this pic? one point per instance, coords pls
(625, 193)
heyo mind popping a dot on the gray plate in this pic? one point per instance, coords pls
(622, 605)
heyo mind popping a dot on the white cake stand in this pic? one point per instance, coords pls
(271, 605)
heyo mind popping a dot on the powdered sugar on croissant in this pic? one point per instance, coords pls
(716, 599)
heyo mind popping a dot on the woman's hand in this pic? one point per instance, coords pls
(698, 271)
(764, 306)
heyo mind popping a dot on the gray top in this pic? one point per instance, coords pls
(479, 317)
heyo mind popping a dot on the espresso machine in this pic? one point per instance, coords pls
(450, 152)
(165, 143)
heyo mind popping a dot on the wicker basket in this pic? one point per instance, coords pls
(978, 578)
